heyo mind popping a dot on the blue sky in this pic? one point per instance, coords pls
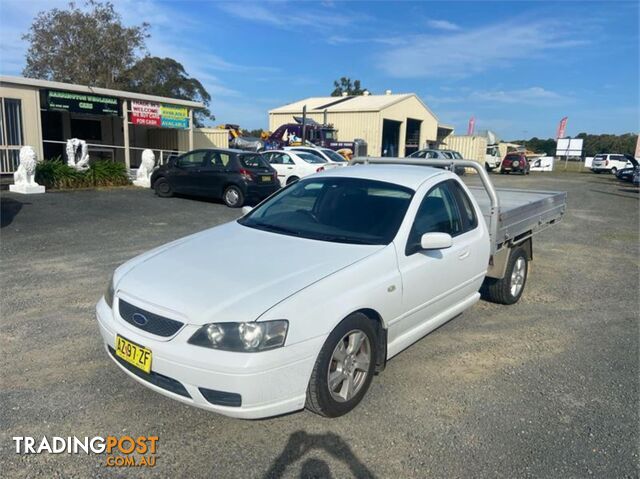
(518, 67)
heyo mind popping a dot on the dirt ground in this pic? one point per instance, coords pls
(545, 388)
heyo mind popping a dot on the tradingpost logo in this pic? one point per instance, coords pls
(119, 451)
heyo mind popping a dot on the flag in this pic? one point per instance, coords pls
(472, 125)
(562, 126)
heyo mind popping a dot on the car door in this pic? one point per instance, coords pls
(212, 176)
(275, 160)
(185, 175)
(437, 280)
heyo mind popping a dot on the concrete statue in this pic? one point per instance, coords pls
(143, 176)
(77, 154)
(24, 177)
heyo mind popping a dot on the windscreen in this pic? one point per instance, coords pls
(310, 158)
(337, 157)
(343, 210)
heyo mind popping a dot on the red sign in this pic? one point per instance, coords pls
(562, 126)
(472, 125)
(145, 113)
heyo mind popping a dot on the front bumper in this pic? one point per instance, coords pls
(269, 383)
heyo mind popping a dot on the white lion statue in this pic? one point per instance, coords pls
(24, 176)
(77, 154)
(143, 176)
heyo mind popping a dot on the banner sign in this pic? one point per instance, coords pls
(472, 125)
(174, 116)
(145, 113)
(562, 126)
(81, 102)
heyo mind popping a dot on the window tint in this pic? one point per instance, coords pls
(465, 206)
(438, 213)
(617, 158)
(448, 155)
(253, 161)
(309, 158)
(193, 159)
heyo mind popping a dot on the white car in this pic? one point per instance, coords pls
(610, 163)
(293, 165)
(303, 299)
(327, 154)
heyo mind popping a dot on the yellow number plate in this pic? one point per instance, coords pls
(266, 178)
(133, 354)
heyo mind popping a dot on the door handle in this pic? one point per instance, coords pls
(463, 255)
(289, 167)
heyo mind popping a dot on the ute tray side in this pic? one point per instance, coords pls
(522, 213)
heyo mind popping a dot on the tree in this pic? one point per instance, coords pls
(166, 77)
(344, 85)
(89, 47)
(591, 144)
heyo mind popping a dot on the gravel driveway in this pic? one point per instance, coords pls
(545, 388)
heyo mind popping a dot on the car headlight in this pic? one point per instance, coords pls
(108, 294)
(242, 337)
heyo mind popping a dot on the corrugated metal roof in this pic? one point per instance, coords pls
(97, 91)
(344, 104)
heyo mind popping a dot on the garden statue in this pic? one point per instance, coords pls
(24, 176)
(143, 177)
(77, 154)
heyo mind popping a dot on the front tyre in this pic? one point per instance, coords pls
(508, 290)
(162, 187)
(233, 197)
(344, 368)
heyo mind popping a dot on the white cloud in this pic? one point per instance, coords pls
(284, 15)
(464, 53)
(532, 96)
(443, 25)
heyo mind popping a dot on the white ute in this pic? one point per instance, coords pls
(302, 300)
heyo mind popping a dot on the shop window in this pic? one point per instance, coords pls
(87, 130)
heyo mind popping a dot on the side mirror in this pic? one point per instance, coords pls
(436, 241)
(246, 210)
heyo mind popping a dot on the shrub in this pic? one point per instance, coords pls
(55, 174)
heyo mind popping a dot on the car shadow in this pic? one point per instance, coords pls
(9, 209)
(213, 201)
(301, 443)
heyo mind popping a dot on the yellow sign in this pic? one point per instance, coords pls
(174, 116)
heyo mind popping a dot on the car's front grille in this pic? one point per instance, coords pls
(164, 382)
(149, 322)
(221, 398)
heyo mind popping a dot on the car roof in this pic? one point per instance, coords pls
(409, 176)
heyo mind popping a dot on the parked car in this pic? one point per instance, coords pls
(433, 154)
(611, 162)
(515, 162)
(293, 165)
(330, 156)
(252, 318)
(231, 175)
(626, 174)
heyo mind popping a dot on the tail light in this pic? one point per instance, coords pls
(606, 162)
(320, 168)
(246, 174)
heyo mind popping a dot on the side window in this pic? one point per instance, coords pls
(274, 158)
(432, 154)
(193, 159)
(286, 160)
(438, 213)
(465, 206)
(224, 159)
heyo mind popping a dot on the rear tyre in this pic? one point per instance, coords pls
(344, 368)
(291, 179)
(233, 197)
(614, 170)
(508, 290)
(163, 188)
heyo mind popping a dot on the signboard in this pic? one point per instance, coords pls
(569, 147)
(562, 127)
(81, 102)
(145, 113)
(174, 116)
